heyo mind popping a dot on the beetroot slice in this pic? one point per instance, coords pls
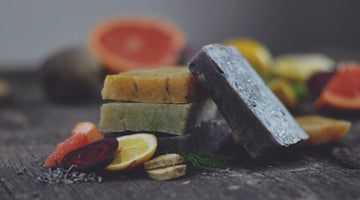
(317, 82)
(95, 155)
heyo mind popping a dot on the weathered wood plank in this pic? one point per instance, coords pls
(30, 128)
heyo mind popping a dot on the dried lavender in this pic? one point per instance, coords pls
(68, 176)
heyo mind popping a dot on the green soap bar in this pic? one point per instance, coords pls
(177, 119)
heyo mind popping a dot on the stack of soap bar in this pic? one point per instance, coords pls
(162, 100)
(162, 85)
(258, 119)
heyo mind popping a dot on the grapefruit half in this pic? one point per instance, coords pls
(343, 89)
(136, 43)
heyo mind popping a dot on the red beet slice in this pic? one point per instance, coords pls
(317, 82)
(95, 155)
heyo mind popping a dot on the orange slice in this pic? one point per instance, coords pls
(256, 53)
(343, 89)
(134, 150)
(136, 43)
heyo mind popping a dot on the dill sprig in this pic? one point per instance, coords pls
(207, 162)
(153, 123)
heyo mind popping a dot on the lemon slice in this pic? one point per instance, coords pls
(322, 130)
(300, 67)
(255, 53)
(134, 150)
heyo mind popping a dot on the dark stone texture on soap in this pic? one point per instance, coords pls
(207, 138)
(262, 124)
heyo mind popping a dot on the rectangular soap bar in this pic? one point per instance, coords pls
(177, 119)
(258, 119)
(160, 85)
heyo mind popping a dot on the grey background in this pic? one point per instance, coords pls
(31, 30)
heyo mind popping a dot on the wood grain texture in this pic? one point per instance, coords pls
(31, 126)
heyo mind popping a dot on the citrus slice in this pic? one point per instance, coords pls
(133, 150)
(255, 53)
(300, 67)
(136, 43)
(343, 89)
(322, 130)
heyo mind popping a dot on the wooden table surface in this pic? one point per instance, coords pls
(31, 126)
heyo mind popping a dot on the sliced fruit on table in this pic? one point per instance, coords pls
(284, 91)
(95, 155)
(89, 129)
(256, 53)
(163, 161)
(322, 130)
(343, 89)
(134, 150)
(83, 134)
(167, 173)
(300, 67)
(133, 43)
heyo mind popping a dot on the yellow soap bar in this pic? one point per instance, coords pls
(159, 85)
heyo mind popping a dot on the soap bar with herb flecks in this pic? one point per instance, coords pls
(159, 85)
(258, 119)
(176, 119)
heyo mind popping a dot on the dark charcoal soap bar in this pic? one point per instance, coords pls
(255, 115)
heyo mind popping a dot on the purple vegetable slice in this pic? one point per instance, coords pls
(95, 155)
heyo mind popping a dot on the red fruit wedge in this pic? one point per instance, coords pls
(343, 89)
(136, 43)
(96, 155)
(89, 129)
(83, 134)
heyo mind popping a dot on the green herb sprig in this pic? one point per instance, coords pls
(153, 123)
(207, 162)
